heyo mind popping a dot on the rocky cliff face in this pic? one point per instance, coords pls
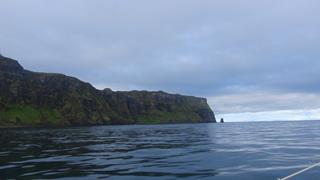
(29, 98)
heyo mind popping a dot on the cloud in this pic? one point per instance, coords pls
(283, 115)
(270, 101)
(241, 54)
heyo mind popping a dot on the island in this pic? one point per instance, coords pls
(47, 99)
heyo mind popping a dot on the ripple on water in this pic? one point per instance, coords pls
(186, 151)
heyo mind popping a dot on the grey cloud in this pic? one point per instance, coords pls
(206, 48)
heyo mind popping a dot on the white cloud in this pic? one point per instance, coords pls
(283, 115)
(252, 101)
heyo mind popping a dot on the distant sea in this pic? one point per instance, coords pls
(259, 150)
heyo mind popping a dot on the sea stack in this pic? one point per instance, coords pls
(221, 120)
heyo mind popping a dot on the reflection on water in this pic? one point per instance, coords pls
(190, 151)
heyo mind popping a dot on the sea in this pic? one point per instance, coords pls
(235, 150)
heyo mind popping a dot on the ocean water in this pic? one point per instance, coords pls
(264, 150)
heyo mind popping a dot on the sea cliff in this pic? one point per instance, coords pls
(46, 99)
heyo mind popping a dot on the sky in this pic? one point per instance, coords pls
(252, 59)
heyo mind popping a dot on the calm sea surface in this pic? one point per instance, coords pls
(264, 150)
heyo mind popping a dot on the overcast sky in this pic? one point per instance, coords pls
(251, 58)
